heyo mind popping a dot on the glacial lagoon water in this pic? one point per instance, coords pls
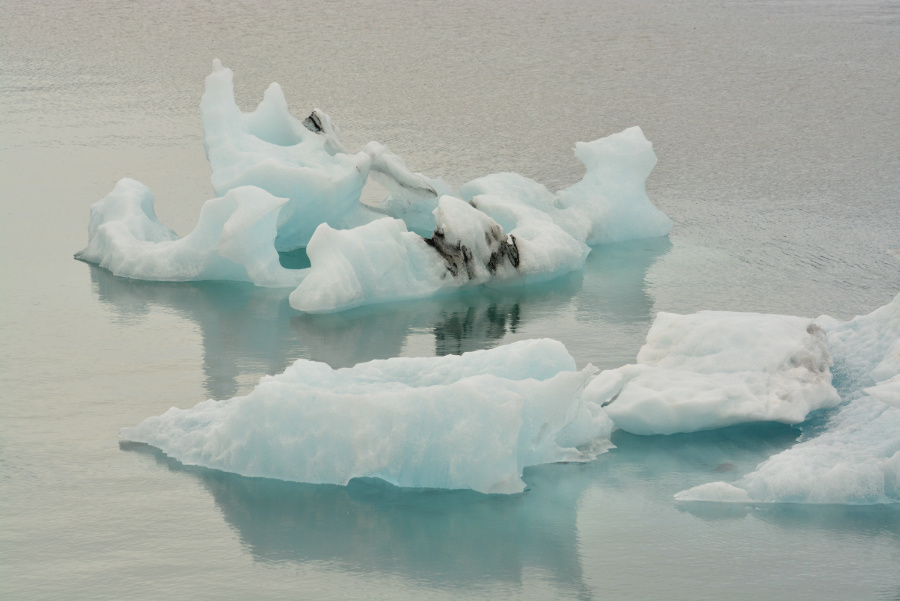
(776, 126)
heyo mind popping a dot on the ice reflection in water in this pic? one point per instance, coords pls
(248, 332)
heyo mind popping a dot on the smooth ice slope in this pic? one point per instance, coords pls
(713, 369)
(471, 421)
(382, 261)
(232, 240)
(856, 459)
(304, 162)
(609, 204)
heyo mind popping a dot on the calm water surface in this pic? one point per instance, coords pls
(777, 127)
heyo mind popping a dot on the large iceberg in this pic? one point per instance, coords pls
(273, 170)
(856, 457)
(714, 368)
(383, 261)
(461, 421)
(306, 162)
(232, 239)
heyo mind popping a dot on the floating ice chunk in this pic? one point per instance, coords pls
(304, 162)
(713, 369)
(609, 204)
(471, 421)
(856, 460)
(382, 261)
(612, 194)
(232, 240)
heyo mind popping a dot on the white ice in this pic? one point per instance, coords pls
(856, 458)
(304, 162)
(507, 230)
(233, 239)
(307, 163)
(471, 421)
(382, 261)
(609, 204)
(713, 369)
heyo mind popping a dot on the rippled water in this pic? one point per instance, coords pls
(777, 127)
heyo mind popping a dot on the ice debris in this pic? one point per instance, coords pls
(232, 240)
(714, 368)
(461, 421)
(856, 457)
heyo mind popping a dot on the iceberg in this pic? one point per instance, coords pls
(471, 421)
(302, 161)
(306, 162)
(272, 170)
(856, 457)
(714, 368)
(232, 240)
(382, 261)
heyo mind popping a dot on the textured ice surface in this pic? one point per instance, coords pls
(713, 369)
(856, 458)
(382, 261)
(609, 204)
(232, 240)
(304, 162)
(867, 348)
(307, 163)
(296, 176)
(470, 421)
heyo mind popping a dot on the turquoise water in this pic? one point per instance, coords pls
(776, 126)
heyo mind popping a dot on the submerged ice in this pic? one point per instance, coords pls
(470, 421)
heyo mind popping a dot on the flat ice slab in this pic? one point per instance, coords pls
(713, 369)
(233, 239)
(471, 421)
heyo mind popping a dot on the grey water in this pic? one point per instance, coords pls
(777, 128)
